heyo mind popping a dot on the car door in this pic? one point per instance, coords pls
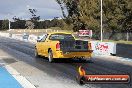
(38, 44)
(43, 45)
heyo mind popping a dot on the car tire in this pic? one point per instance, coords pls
(50, 56)
(80, 80)
(36, 53)
(112, 54)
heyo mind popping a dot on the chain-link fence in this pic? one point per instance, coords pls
(109, 36)
(118, 36)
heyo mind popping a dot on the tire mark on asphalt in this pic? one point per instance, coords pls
(31, 53)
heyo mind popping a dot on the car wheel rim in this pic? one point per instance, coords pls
(50, 56)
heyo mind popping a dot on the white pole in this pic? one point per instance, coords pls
(9, 21)
(101, 23)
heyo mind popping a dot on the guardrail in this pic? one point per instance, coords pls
(99, 48)
(5, 34)
(23, 37)
(103, 48)
(124, 50)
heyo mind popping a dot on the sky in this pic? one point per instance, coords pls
(46, 9)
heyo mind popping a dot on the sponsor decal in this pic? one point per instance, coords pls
(102, 47)
(84, 78)
(85, 33)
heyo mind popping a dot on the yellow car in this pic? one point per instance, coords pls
(57, 45)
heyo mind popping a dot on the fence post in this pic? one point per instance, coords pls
(127, 36)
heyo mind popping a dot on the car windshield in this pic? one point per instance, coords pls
(61, 37)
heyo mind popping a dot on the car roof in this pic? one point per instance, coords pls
(59, 33)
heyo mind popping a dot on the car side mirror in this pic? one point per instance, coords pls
(38, 39)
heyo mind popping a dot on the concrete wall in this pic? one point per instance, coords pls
(100, 48)
(124, 50)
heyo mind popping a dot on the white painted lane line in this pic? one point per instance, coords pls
(22, 80)
(125, 59)
(114, 57)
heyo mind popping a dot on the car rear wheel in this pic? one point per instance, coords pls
(50, 56)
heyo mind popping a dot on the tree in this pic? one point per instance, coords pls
(117, 16)
(1, 24)
(126, 21)
(90, 13)
(72, 17)
(5, 24)
(56, 22)
(61, 6)
(34, 18)
(83, 13)
(29, 24)
(18, 23)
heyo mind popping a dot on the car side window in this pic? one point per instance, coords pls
(44, 38)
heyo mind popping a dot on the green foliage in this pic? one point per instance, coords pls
(5, 24)
(83, 14)
(34, 16)
(50, 23)
(21, 24)
(18, 23)
(72, 18)
(1, 24)
(117, 14)
(90, 13)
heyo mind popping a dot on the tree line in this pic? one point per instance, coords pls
(20, 24)
(85, 14)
